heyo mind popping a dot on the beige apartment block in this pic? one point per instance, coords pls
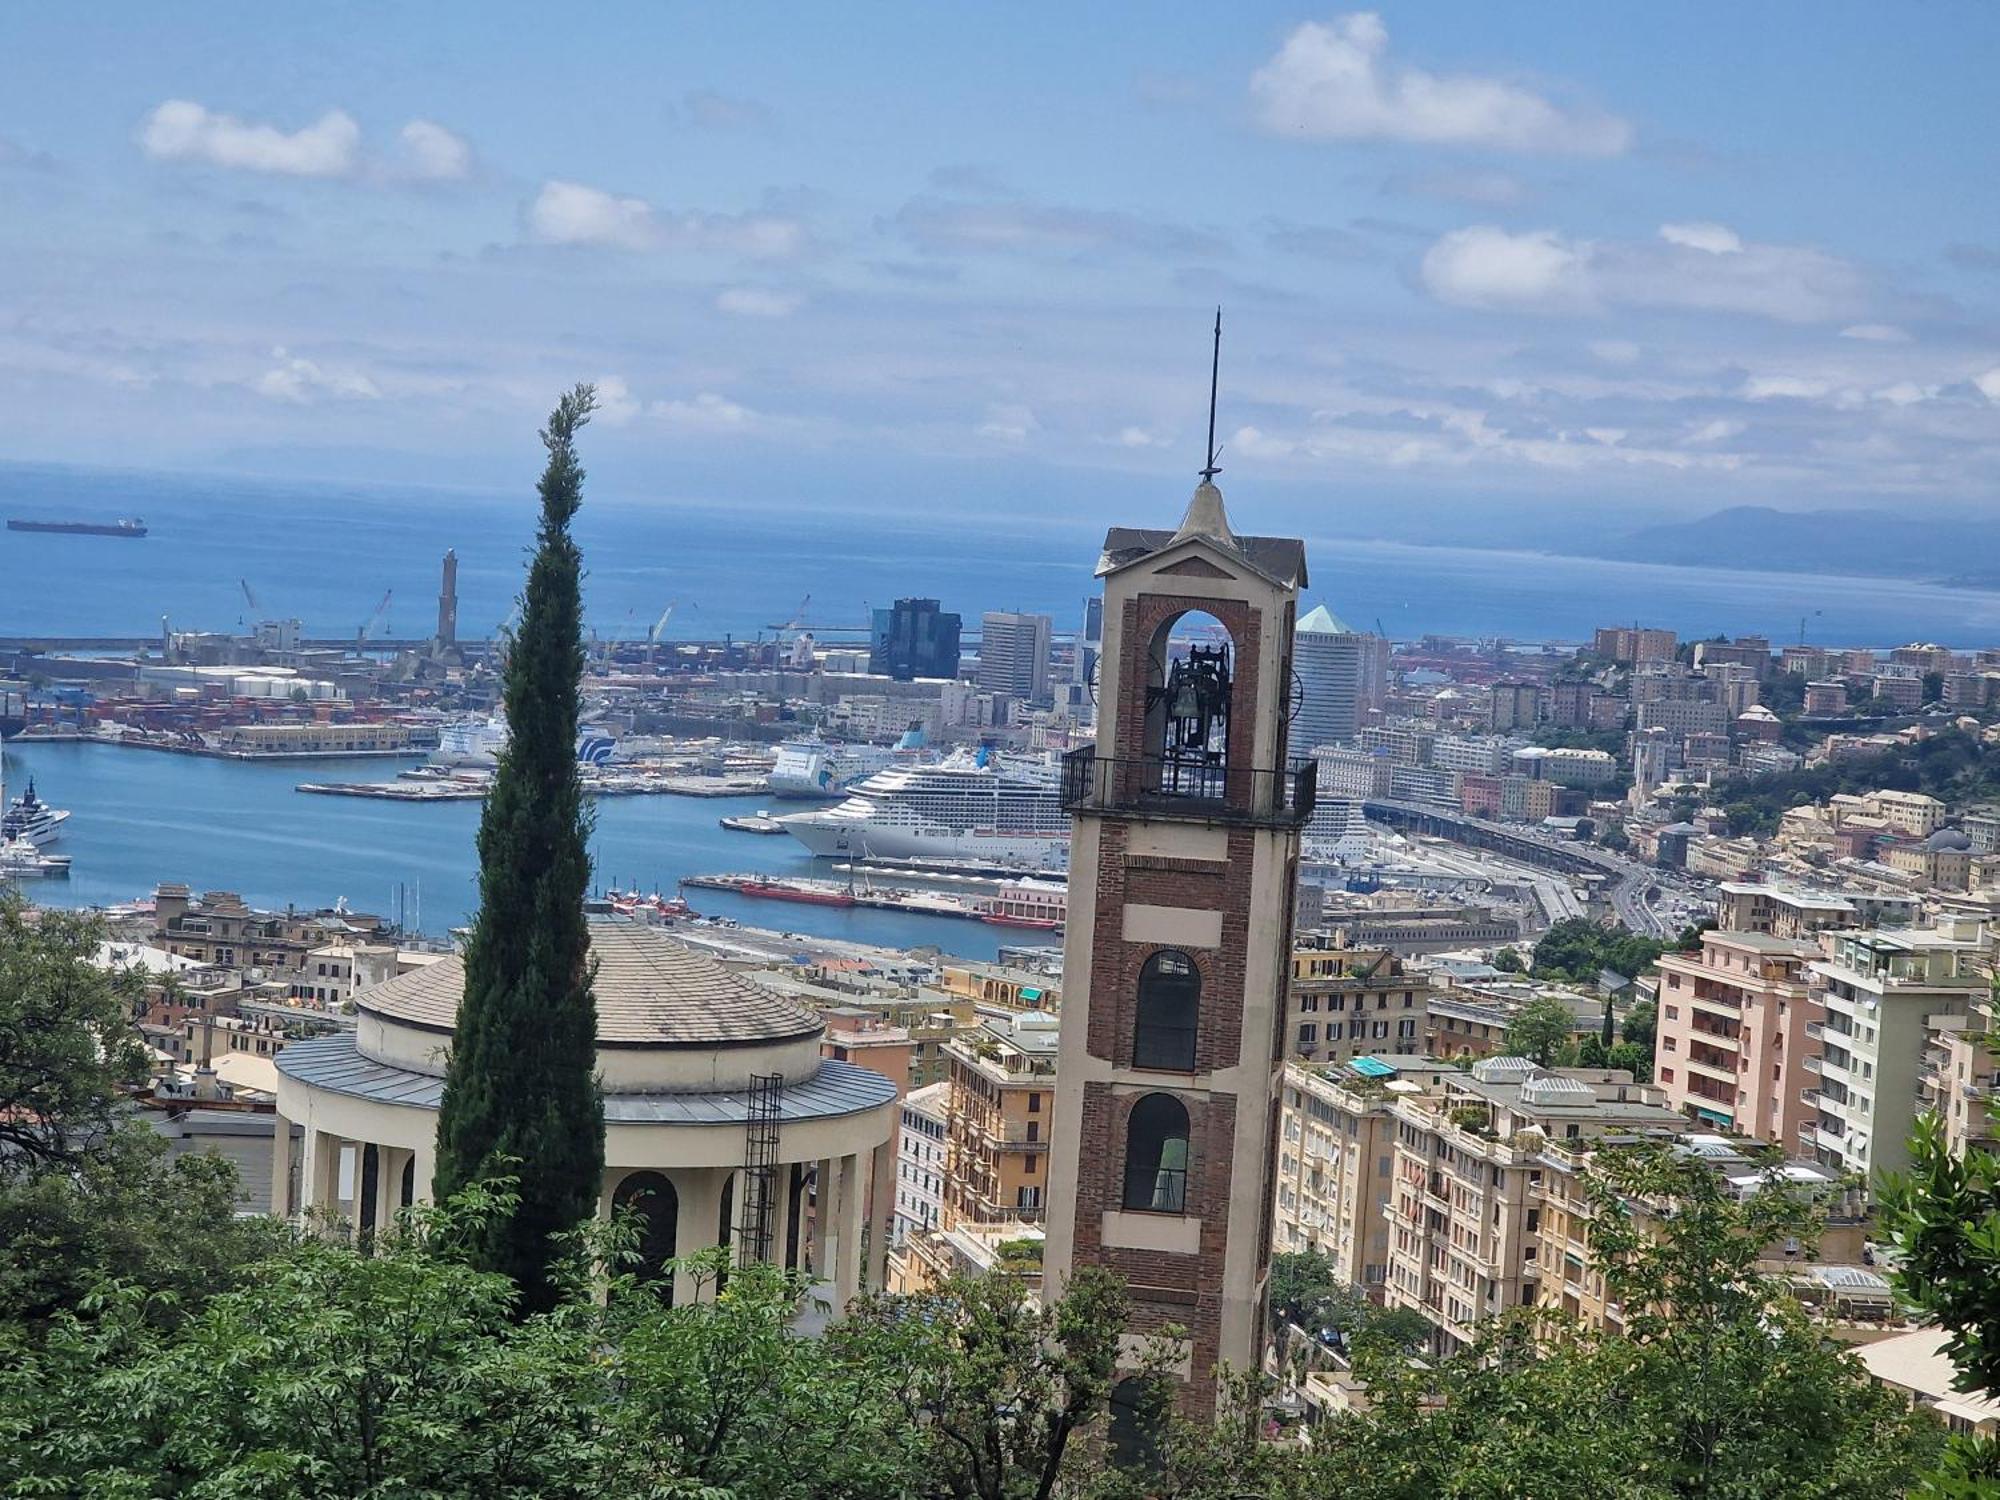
(1959, 1077)
(1731, 1037)
(1464, 1226)
(1351, 1002)
(1883, 993)
(1000, 1105)
(1336, 1146)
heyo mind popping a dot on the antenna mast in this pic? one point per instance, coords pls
(1214, 371)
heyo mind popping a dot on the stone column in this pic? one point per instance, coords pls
(879, 1190)
(281, 1167)
(700, 1204)
(426, 1160)
(781, 1210)
(847, 1263)
(388, 1186)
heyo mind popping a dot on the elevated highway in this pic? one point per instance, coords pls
(1628, 885)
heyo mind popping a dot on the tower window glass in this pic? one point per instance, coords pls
(1156, 1155)
(1169, 1006)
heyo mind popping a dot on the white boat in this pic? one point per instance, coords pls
(970, 805)
(815, 768)
(30, 820)
(475, 744)
(21, 860)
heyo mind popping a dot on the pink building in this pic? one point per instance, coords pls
(1732, 1033)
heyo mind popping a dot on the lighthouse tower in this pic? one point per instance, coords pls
(1183, 862)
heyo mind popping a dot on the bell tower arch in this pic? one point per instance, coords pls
(1183, 862)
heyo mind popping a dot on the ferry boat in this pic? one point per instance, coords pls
(813, 768)
(476, 743)
(970, 805)
(31, 820)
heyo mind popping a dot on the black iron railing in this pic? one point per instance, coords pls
(1162, 786)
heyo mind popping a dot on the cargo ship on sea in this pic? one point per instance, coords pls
(132, 528)
(970, 805)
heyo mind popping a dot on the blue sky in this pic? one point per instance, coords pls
(1485, 267)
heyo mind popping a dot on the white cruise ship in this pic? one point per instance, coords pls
(970, 805)
(814, 768)
(475, 744)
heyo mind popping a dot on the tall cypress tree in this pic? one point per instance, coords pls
(521, 1097)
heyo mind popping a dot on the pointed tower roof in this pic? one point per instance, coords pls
(1323, 621)
(1206, 517)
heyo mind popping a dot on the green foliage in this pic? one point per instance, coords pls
(1540, 1030)
(1944, 1218)
(1567, 737)
(1641, 1024)
(1952, 765)
(522, 1094)
(1578, 949)
(1720, 1387)
(67, 1046)
(1508, 961)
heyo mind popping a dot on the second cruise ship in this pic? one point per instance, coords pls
(970, 805)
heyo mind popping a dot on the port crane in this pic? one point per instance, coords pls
(381, 613)
(798, 619)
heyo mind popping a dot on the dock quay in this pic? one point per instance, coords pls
(813, 892)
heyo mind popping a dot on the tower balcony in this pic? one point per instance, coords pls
(1160, 787)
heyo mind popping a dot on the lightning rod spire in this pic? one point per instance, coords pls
(1214, 371)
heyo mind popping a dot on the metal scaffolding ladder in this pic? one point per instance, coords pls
(760, 1168)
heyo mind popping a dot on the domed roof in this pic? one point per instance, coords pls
(1948, 838)
(652, 991)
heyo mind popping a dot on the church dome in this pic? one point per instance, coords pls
(668, 1017)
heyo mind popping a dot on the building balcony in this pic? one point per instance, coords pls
(1723, 1070)
(1162, 787)
(1811, 1062)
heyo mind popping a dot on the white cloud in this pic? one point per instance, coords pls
(435, 154)
(1139, 437)
(1707, 267)
(300, 382)
(1009, 422)
(1720, 430)
(181, 130)
(1333, 82)
(616, 405)
(1876, 333)
(1616, 351)
(942, 225)
(1989, 384)
(1486, 267)
(1906, 393)
(707, 412)
(757, 302)
(571, 213)
(1785, 388)
(1715, 239)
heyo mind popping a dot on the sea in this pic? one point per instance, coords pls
(224, 552)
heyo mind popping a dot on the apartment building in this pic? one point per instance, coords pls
(1748, 907)
(920, 1161)
(331, 975)
(1002, 1094)
(1569, 1281)
(1465, 1210)
(1349, 1002)
(1959, 1076)
(1336, 1145)
(1731, 1039)
(1882, 992)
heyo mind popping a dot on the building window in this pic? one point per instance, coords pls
(1156, 1155)
(652, 1197)
(1169, 1002)
(1034, 1104)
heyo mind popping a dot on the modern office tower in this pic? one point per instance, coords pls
(1183, 858)
(912, 639)
(1327, 657)
(1014, 655)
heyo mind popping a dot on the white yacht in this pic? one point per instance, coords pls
(970, 805)
(813, 768)
(21, 860)
(31, 820)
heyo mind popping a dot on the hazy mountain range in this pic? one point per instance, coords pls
(1945, 549)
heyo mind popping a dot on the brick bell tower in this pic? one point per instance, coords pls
(1183, 864)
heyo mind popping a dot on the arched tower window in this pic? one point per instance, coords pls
(1169, 1006)
(651, 1195)
(1189, 699)
(1134, 1433)
(1156, 1155)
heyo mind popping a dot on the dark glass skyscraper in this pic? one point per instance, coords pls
(914, 638)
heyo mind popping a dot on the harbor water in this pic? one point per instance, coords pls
(141, 817)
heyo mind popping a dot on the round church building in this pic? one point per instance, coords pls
(723, 1124)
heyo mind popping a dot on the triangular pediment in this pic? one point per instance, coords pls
(1195, 567)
